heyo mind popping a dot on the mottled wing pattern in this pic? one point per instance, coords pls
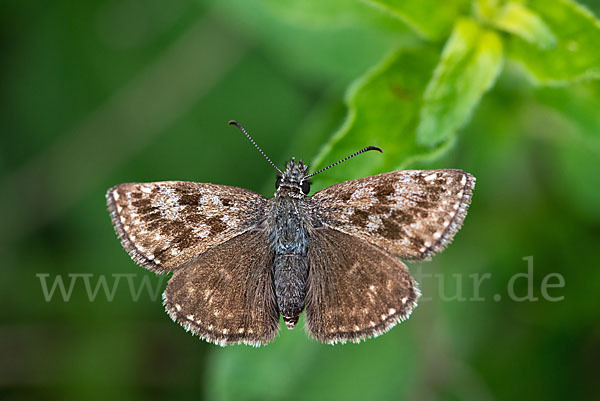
(165, 224)
(412, 213)
(355, 289)
(226, 295)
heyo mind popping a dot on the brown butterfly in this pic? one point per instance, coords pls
(240, 260)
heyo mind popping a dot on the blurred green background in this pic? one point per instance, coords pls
(96, 93)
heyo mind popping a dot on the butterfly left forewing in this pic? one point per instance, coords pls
(355, 289)
(165, 224)
(412, 213)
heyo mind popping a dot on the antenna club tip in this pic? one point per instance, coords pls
(377, 148)
(232, 122)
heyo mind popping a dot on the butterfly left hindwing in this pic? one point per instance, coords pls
(226, 295)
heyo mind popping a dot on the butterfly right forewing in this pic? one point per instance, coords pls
(412, 213)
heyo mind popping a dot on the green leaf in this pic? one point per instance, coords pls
(469, 66)
(327, 41)
(319, 14)
(293, 367)
(575, 56)
(383, 110)
(430, 18)
(515, 18)
(485, 10)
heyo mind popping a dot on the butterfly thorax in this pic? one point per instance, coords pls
(288, 211)
(289, 238)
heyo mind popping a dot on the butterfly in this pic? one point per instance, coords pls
(239, 261)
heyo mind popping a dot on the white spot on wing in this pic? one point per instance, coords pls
(115, 195)
(362, 192)
(374, 223)
(430, 177)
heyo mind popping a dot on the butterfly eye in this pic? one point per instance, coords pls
(305, 186)
(278, 182)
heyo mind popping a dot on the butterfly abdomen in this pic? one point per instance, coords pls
(289, 240)
(290, 274)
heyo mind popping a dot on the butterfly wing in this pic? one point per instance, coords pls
(412, 213)
(355, 289)
(226, 295)
(165, 224)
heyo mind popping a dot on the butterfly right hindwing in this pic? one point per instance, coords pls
(355, 290)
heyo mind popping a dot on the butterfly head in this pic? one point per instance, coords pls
(293, 181)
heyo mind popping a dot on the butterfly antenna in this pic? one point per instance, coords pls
(346, 158)
(232, 122)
